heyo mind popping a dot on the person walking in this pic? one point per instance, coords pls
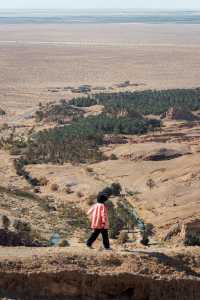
(99, 221)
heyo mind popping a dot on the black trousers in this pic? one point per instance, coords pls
(94, 236)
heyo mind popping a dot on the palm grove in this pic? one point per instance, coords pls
(124, 113)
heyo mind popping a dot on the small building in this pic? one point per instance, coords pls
(123, 84)
(85, 88)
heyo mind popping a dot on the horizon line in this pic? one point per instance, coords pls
(103, 8)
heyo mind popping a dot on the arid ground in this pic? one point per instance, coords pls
(34, 58)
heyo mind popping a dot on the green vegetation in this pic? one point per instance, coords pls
(106, 124)
(192, 240)
(80, 141)
(19, 165)
(123, 216)
(5, 222)
(61, 113)
(123, 237)
(64, 243)
(144, 102)
(74, 143)
(115, 221)
(75, 218)
(150, 183)
(84, 101)
(113, 190)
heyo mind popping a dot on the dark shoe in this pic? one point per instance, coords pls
(108, 249)
(89, 247)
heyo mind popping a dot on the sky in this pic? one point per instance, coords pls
(79, 4)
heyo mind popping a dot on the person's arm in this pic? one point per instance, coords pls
(103, 215)
(90, 211)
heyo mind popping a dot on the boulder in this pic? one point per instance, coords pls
(164, 154)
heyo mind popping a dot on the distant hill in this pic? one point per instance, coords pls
(97, 16)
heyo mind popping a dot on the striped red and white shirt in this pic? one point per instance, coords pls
(99, 216)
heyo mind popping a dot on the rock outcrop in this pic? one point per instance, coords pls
(164, 154)
(156, 155)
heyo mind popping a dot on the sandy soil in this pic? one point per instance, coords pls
(34, 58)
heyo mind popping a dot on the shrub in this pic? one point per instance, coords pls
(113, 157)
(108, 191)
(39, 115)
(116, 223)
(33, 181)
(133, 193)
(80, 194)
(123, 237)
(22, 226)
(15, 150)
(54, 187)
(64, 243)
(47, 204)
(76, 217)
(37, 190)
(150, 183)
(5, 222)
(24, 193)
(89, 170)
(150, 230)
(113, 190)
(116, 189)
(192, 241)
(43, 181)
(145, 240)
(83, 237)
(68, 190)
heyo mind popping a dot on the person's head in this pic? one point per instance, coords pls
(102, 198)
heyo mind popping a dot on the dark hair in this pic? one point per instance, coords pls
(102, 197)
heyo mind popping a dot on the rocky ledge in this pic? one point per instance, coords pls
(81, 274)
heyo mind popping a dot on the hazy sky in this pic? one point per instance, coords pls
(174, 4)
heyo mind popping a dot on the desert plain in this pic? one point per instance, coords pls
(35, 58)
